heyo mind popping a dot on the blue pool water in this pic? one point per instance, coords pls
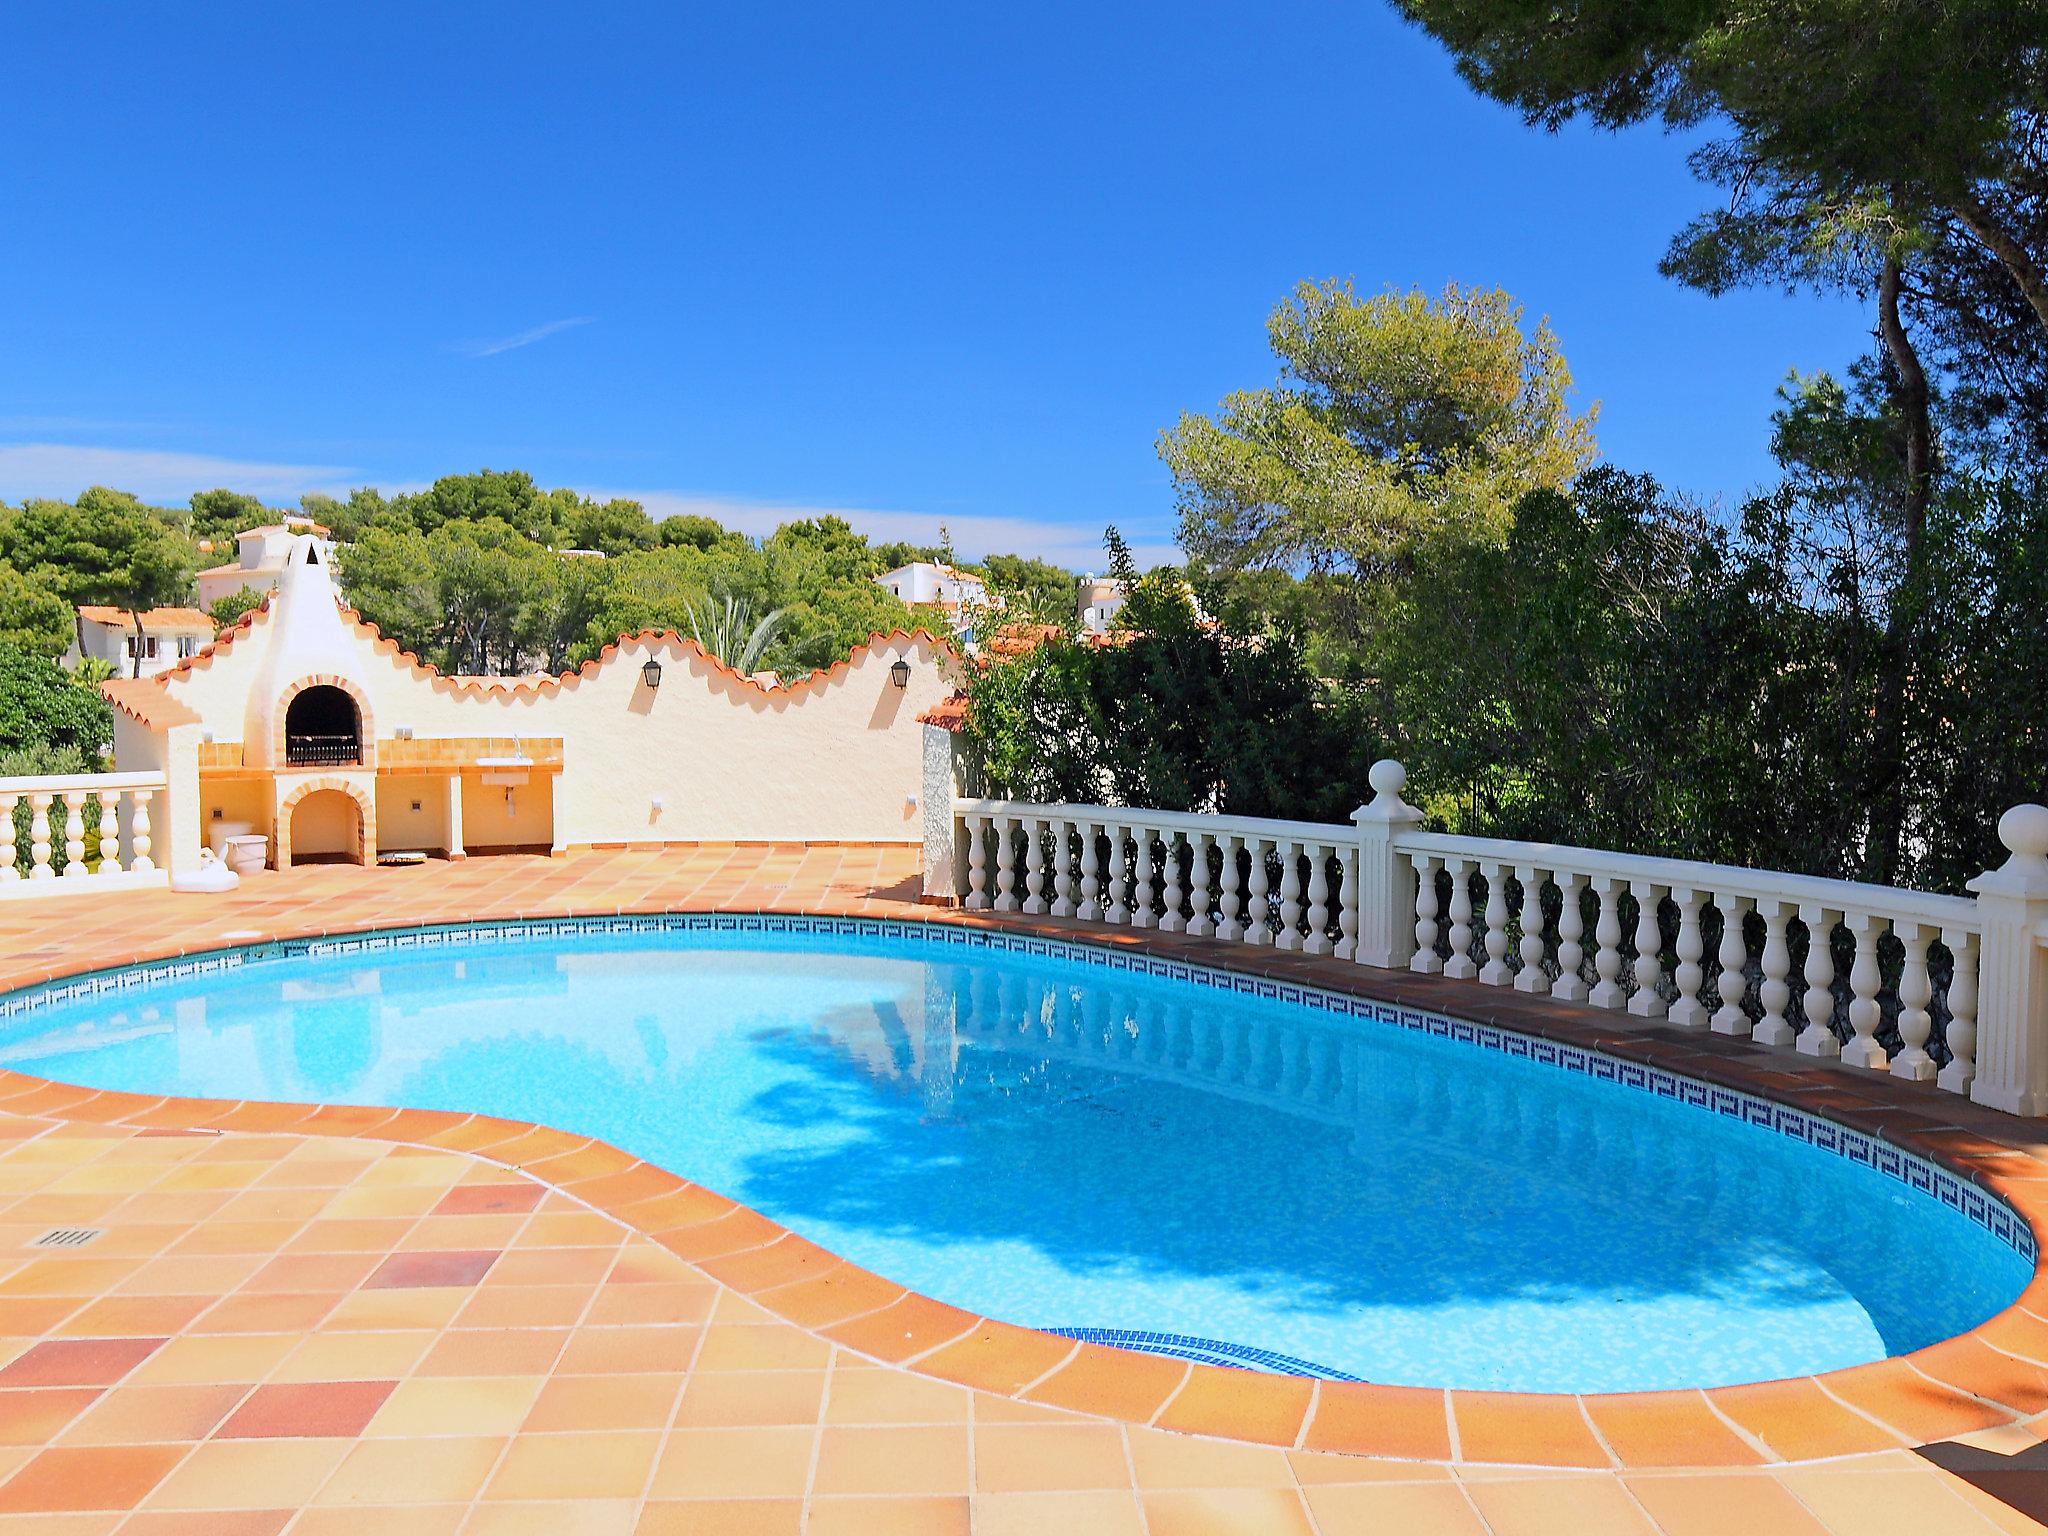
(1071, 1146)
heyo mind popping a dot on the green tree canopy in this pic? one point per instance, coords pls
(33, 614)
(1032, 589)
(43, 712)
(1399, 423)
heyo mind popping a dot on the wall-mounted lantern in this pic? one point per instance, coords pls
(899, 673)
(651, 673)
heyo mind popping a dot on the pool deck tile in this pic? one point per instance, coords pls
(318, 1320)
(1118, 1383)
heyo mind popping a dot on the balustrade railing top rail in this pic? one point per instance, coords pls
(1893, 978)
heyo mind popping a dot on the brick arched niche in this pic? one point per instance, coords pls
(365, 834)
(366, 728)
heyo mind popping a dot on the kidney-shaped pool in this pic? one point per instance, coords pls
(1188, 1161)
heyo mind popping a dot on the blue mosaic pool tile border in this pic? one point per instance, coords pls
(1959, 1194)
(1182, 1346)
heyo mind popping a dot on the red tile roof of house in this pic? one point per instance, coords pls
(144, 699)
(165, 620)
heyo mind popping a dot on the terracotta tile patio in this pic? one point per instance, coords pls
(324, 1321)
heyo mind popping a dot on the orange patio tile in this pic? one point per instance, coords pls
(1018, 1458)
(896, 1460)
(1240, 1404)
(303, 1410)
(87, 1478)
(734, 1464)
(1227, 1512)
(1668, 1429)
(1798, 1420)
(1919, 1407)
(1120, 1383)
(1359, 1419)
(735, 1398)
(722, 1517)
(249, 1474)
(997, 1357)
(593, 1465)
(1525, 1428)
(1425, 1509)
(134, 1415)
(601, 1402)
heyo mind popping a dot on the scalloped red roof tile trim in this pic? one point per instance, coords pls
(551, 683)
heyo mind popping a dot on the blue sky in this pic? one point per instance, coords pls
(916, 264)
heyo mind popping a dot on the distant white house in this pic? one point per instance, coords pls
(259, 558)
(960, 595)
(169, 636)
(1101, 599)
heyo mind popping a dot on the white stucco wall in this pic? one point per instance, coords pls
(836, 759)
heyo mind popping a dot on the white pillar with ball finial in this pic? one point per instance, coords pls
(2012, 982)
(1386, 879)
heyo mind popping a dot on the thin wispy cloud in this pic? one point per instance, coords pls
(522, 338)
(64, 469)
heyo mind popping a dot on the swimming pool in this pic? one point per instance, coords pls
(1070, 1138)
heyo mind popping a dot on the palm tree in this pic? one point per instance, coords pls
(732, 633)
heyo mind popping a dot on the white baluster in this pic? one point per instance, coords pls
(1227, 899)
(1170, 894)
(1865, 1013)
(1733, 985)
(74, 832)
(1258, 926)
(138, 831)
(1116, 878)
(1141, 886)
(110, 832)
(1200, 925)
(1961, 1036)
(1288, 935)
(1775, 994)
(39, 838)
(977, 863)
(1426, 961)
(1090, 910)
(1646, 1002)
(1062, 867)
(1460, 966)
(1347, 902)
(1915, 991)
(8, 873)
(1318, 940)
(1530, 977)
(1570, 986)
(1006, 867)
(1687, 1011)
(1034, 866)
(1608, 992)
(1496, 972)
(1818, 1038)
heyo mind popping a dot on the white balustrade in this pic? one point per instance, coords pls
(1968, 970)
(86, 806)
